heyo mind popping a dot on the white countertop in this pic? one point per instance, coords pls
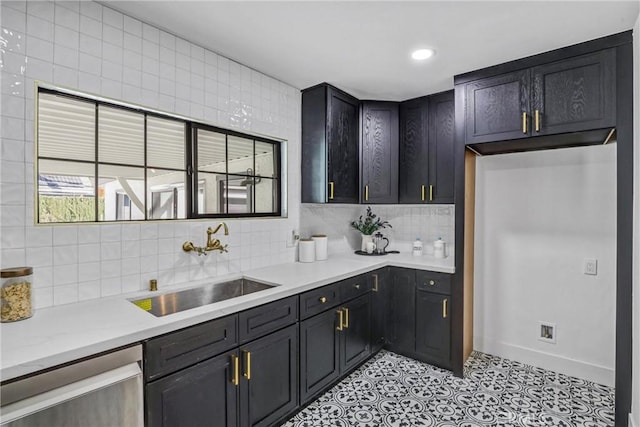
(61, 334)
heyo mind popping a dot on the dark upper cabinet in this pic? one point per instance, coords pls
(330, 141)
(379, 152)
(356, 332)
(401, 311)
(497, 108)
(575, 94)
(269, 378)
(195, 396)
(433, 327)
(426, 149)
(414, 151)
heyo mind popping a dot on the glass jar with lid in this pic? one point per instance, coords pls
(16, 294)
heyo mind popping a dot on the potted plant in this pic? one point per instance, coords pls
(369, 225)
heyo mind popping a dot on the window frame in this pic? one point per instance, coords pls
(190, 170)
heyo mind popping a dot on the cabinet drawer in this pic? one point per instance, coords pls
(318, 300)
(270, 317)
(177, 350)
(354, 287)
(433, 282)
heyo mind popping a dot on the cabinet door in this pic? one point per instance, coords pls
(379, 152)
(269, 378)
(342, 147)
(356, 333)
(402, 314)
(494, 108)
(433, 326)
(380, 287)
(441, 145)
(201, 395)
(413, 179)
(576, 94)
(319, 353)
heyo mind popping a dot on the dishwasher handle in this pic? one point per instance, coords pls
(40, 402)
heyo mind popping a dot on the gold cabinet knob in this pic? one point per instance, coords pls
(357, 286)
(432, 282)
(323, 300)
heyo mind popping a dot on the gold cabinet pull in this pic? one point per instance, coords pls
(357, 286)
(340, 319)
(331, 185)
(247, 361)
(422, 192)
(236, 370)
(537, 120)
(375, 282)
(524, 122)
(366, 192)
(445, 311)
(346, 317)
(322, 300)
(431, 193)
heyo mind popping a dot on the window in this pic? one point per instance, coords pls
(98, 161)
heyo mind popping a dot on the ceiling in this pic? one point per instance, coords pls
(363, 47)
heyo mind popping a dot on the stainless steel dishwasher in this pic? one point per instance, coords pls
(105, 391)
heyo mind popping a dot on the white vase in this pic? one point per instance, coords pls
(365, 238)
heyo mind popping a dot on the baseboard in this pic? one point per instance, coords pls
(573, 367)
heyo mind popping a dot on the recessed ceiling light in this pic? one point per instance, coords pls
(422, 54)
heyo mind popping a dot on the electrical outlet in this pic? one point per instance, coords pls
(293, 238)
(547, 332)
(591, 266)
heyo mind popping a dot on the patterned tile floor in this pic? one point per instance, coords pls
(393, 390)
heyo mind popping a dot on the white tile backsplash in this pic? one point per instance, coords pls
(92, 48)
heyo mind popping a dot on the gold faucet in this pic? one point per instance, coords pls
(212, 244)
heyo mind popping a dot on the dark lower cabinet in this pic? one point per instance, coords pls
(202, 395)
(402, 311)
(356, 334)
(380, 289)
(269, 378)
(332, 343)
(319, 353)
(433, 327)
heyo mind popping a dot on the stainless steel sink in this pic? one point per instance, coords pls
(174, 302)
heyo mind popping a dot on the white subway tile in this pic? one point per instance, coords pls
(66, 294)
(89, 252)
(65, 235)
(91, 45)
(148, 264)
(20, 6)
(12, 194)
(90, 64)
(111, 88)
(110, 250)
(88, 290)
(110, 232)
(112, 35)
(65, 76)
(41, 49)
(12, 216)
(65, 255)
(133, 43)
(111, 71)
(13, 19)
(129, 266)
(110, 269)
(66, 18)
(90, 27)
(150, 66)
(131, 249)
(132, 26)
(150, 49)
(112, 18)
(132, 283)
(150, 33)
(65, 274)
(40, 28)
(65, 37)
(42, 276)
(43, 297)
(91, 9)
(12, 237)
(110, 286)
(88, 271)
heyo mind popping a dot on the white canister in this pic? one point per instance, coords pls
(439, 248)
(321, 246)
(306, 250)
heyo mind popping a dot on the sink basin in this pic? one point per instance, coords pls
(175, 302)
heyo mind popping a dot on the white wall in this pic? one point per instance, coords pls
(538, 215)
(85, 46)
(635, 397)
